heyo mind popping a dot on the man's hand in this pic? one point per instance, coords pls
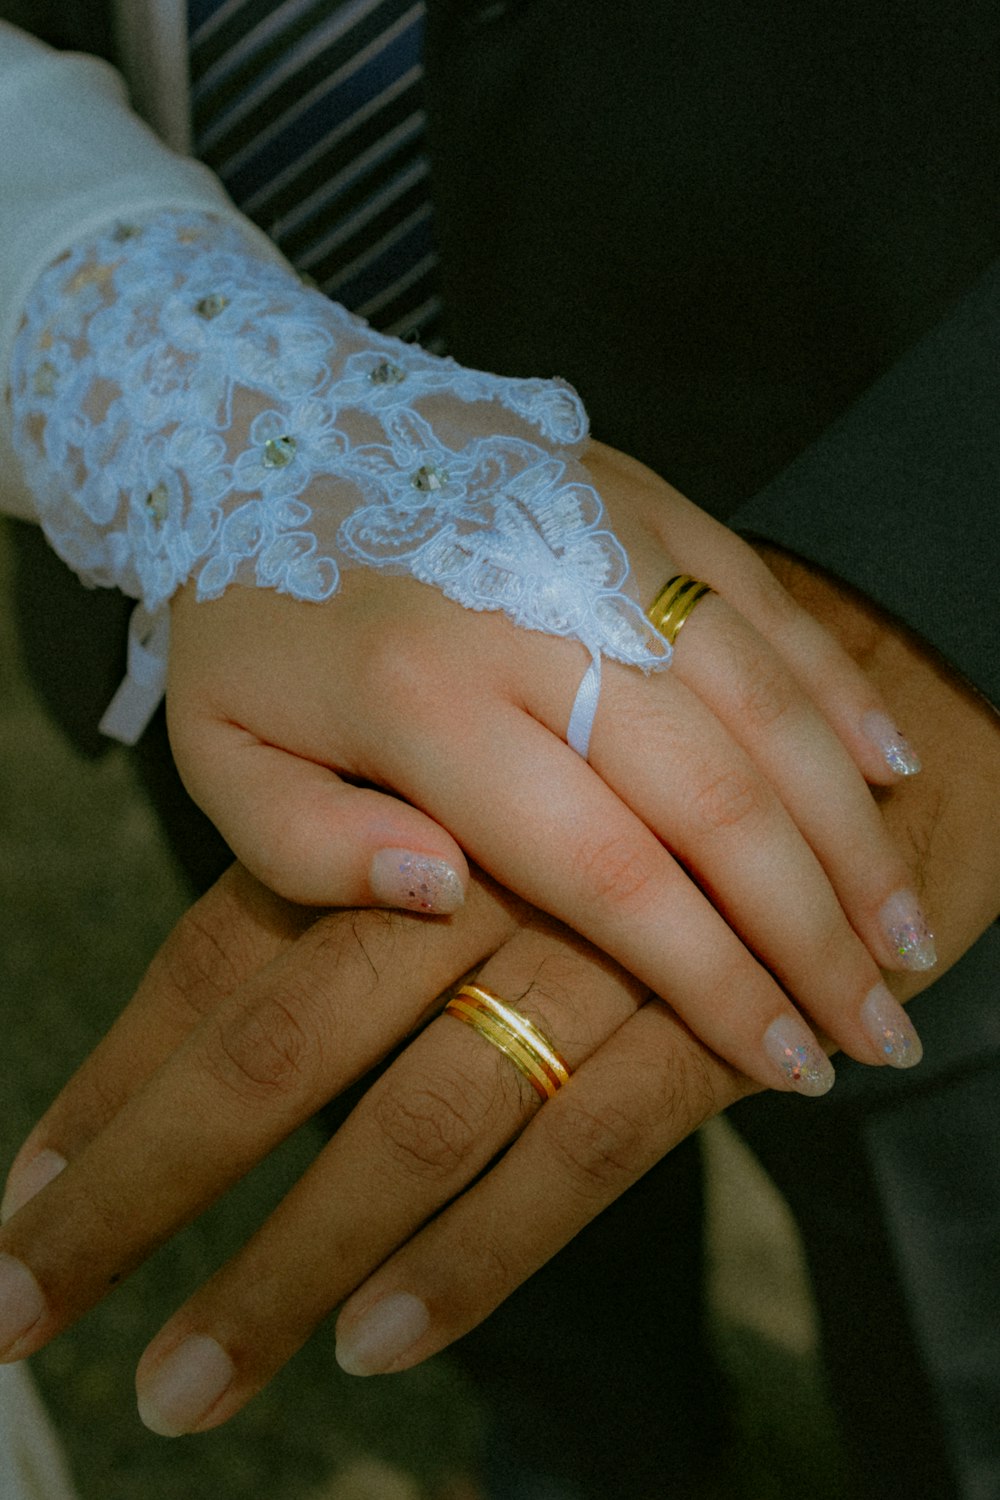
(945, 821)
(256, 1011)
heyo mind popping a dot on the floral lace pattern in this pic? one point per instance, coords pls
(185, 408)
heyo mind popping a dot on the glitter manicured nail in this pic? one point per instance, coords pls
(802, 1062)
(382, 1334)
(895, 749)
(906, 928)
(415, 882)
(185, 1386)
(21, 1302)
(891, 1030)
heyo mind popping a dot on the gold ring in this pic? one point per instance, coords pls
(674, 603)
(515, 1036)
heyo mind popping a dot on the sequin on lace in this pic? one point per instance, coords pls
(186, 409)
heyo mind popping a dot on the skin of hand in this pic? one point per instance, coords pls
(720, 840)
(255, 1010)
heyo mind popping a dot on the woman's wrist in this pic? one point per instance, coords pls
(186, 409)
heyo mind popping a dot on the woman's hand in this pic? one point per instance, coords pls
(721, 842)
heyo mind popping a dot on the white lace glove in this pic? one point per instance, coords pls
(181, 406)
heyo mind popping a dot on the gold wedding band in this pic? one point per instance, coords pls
(674, 603)
(513, 1034)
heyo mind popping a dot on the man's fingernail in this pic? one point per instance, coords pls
(891, 1029)
(906, 928)
(798, 1056)
(185, 1386)
(21, 1301)
(28, 1179)
(415, 882)
(895, 749)
(385, 1332)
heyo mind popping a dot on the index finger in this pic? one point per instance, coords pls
(235, 929)
(189, 1122)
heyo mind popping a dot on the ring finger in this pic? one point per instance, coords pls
(422, 1133)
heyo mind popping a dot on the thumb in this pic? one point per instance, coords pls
(315, 839)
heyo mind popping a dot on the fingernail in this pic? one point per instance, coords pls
(909, 935)
(891, 1029)
(800, 1059)
(895, 749)
(185, 1386)
(21, 1301)
(415, 882)
(385, 1332)
(28, 1179)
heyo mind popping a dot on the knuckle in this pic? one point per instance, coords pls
(344, 944)
(492, 1270)
(496, 1270)
(835, 950)
(689, 1088)
(404, 666)
(195, 968)
(766, 694)
(637, 714)
(594, 1145)
(729, 800)
(774, 608)
(351, 953)
(102, 1222)
(431, 1128)
(99, 1093)
(615, 871)
(261, 1051)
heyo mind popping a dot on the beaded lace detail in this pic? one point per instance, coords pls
(186, 409)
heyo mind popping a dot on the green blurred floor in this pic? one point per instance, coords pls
(87, 892)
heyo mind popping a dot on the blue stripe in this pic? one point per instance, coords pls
(322, 211)
(330, 109)
(200, 11)
(271, 27)
(413, 324)
(368, 117)
(332, 229)
(392, 265)
(327, 123)
(262, 83)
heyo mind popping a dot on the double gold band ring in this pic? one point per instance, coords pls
(674, 603)
(513, 1034)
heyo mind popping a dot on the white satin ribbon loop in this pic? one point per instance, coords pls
(136, 700)
(581, 720)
